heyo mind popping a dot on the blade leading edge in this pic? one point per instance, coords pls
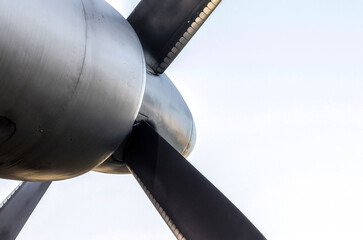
(18, 206)
(191, 206)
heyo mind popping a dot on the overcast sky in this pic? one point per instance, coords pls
(275, 88)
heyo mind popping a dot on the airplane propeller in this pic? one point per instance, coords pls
(191, 206)
(18, 206)
(121, 86)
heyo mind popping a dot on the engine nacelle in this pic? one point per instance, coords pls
(72, 77)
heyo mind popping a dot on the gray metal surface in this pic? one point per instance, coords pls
(164, 108)
(113, 166)
(7, 129)
(165, 27)
(191, 206)
(72, 76)
(18, 206)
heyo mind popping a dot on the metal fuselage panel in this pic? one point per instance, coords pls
(72, 77)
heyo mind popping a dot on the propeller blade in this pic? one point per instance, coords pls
(165, 27)
(18, 206)
(191, 206)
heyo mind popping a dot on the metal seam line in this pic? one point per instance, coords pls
(161, 211)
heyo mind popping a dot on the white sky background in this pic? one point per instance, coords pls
(275, 88)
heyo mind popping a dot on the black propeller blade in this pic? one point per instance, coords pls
(191, 206)
(18, 206)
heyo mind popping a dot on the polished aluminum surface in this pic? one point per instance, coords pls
(72, 76)
(164, 107)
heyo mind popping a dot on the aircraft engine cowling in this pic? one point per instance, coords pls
(72, 77)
